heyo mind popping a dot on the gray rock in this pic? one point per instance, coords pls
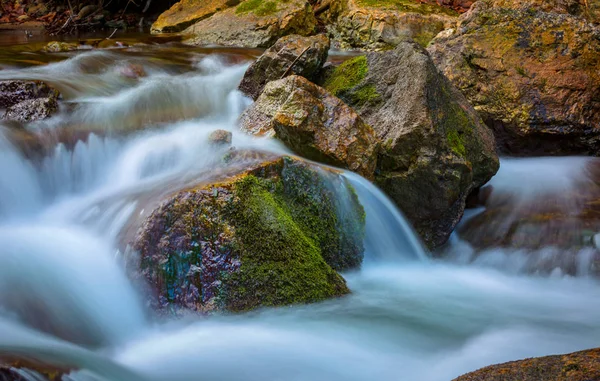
(291, 54)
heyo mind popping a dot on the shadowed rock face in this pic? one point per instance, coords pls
(532, 75)
(292, 54)
(254, 24)
(272, 236)
(578, 366)
(435, 148)
(314, 124)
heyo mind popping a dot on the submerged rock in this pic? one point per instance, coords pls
(314, 124)
(254, 24)
(187, 12)
(291, 54)
(382, 24)
(271, 236)
(435, 148)
(578, 366)
(58, 46)
(220, 138)
(531, 74)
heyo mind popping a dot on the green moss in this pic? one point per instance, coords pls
(344, 79)
(347, 75)
(280, 263)
(364, 95)
(456, 143)
(414, 6)
(258, 7)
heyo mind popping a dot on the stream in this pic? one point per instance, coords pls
(64, 216)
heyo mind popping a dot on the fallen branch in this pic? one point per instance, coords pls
(293, 63)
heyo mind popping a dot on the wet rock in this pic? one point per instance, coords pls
(13, 92)
(254, 23)
(314, 124)
(531, 73)
(220, 138)
(552, 226)
(578, 366)
(27, 101)
(289, 55)
(187, 12)
(271, 236)
(132, 70)
(57, 47)
(435, 148)
(32, 110)
(382, 24)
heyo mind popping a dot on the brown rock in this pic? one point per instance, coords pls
(314, 124)
(187, 12)
(382, 24)
(435, 148)
(291, 54)
(220, 138)
(578, 366)
(532, 75)
(254, 24)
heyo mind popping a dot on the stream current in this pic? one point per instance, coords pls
(63, 216)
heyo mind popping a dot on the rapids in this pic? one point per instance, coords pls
(65, 298)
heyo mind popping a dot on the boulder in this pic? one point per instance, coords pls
(254, 24)
(31, 110)
(435, 149)
(382, 24)
(314, 124)
(531, 73)
(26, 101)
(578, 366)
(291, 54)
(187, 12)
(13, 92)
(271, 236)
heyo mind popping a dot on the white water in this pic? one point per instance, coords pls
(407, 319)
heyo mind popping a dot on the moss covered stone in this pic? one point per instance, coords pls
(272, 236)
(258, 7)
(347, 76)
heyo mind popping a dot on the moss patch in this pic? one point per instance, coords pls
(409, 6)
(343, 80)
(347, 75)
(258, 7)
(280, 263)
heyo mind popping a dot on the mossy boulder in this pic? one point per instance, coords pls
(254, 24)
(382, 24)
(291, 54)
(531, 72)
(434, 147)
(314, 124)
(187, 12)
(578, 366)
(272, 236)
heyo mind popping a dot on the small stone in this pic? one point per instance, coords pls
(23, 18)
(220, 138)
(132, 70)
(57, 47)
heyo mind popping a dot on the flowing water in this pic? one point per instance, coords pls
(66, 300)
